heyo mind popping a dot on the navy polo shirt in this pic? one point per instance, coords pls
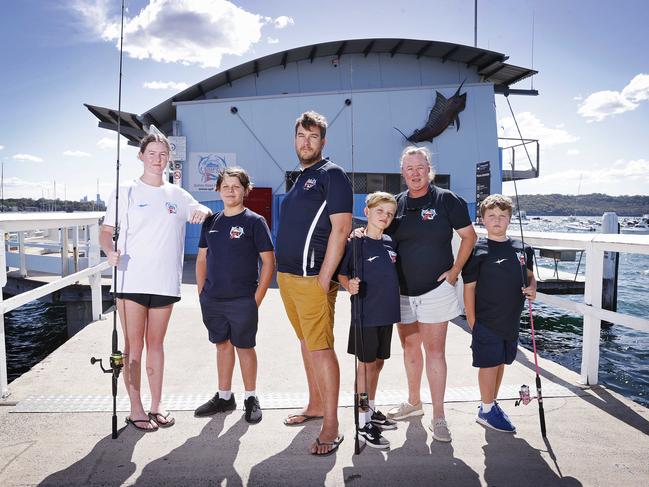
(422, 230)
(378, 297)
(304, 227)
(498, 269)
(233, 246)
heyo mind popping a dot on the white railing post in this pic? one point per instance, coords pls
(75, 248)
(592, 324)
(21, 254)
(63, 232)
(94, 258)
(4, 388)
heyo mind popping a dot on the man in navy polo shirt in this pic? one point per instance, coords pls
(316, 218)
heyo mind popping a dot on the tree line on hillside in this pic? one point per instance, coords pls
(42, 204)
(594, 204)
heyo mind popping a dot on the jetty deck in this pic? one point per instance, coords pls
(55, 426)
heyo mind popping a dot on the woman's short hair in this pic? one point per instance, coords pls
(155, 137)
(234, 172)
(424, 152)
(378, 197)
(503, 203)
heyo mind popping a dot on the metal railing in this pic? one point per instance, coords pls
(595, 245)
(24, 222)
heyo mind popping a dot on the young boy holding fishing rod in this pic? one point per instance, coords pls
(368, 272)
(494, 296)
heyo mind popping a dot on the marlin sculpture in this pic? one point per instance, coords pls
(441, 115)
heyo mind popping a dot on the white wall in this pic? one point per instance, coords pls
(210, 127)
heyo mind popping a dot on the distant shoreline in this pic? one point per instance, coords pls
(595, 204)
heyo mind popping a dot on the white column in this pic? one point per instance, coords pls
(75, 248)
(94, 258)
(592, 325)
(21, 254)
(4, 389)
(64, 251)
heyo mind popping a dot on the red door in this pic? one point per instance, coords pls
(260, 201)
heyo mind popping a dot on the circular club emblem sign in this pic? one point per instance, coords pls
(177, 174)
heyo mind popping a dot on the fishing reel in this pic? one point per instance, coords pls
(363, 401)
(116, 363)
(524, 396)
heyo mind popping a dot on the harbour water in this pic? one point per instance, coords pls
(36, 329)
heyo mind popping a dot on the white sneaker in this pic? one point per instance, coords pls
(405, 410)
(440, 430)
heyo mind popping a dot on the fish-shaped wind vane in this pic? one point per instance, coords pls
(441, 115)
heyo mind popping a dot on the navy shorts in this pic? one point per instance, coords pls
(233, 319)
(149, 300)
(490, 349)
(372, 342)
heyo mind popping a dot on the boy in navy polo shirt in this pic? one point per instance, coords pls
(231, 288)
(494, 295)
(368, 270)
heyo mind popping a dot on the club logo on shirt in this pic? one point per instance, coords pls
(310, 183)
(236, 232)
(393, 256)
(428, 214)
(172, 208)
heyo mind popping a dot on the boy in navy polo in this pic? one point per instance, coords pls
(494, 295)
(231, 288)
(368, 270)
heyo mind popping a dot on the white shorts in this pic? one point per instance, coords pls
(436, 306)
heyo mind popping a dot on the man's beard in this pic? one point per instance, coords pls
(311, 160)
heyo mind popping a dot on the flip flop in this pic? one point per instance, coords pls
(167, 423)
(288, 422)
(334, 444)
(134, 422)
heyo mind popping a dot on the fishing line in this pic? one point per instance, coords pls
(539, 395)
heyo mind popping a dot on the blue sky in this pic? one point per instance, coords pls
(591, 115)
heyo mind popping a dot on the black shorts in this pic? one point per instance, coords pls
(149, 300)
(490, 349)
(373, 342)
(232, 319)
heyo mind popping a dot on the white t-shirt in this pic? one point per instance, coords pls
(152, 236)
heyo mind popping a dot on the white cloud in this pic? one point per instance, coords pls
(165, 85)
(184, 31)
(2, 147)
(629, 171)
(532, 128)
(27, 157)
(572, 152)
(578, 97)
(602, 104)
(76, 153)
(107, 143)
(272, 40)
(283, 21)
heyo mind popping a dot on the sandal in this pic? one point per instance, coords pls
(288, 421)
(134, 422)
(162, 420)
(334, 446)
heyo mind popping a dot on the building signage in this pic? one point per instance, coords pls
(178, 148)
(482, 184)
(204, 167)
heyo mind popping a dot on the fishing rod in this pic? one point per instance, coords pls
(356, 318)
(116, 357)
(524, 393)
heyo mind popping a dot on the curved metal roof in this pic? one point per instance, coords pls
(489, 65)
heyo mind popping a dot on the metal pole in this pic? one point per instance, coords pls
(475, 23)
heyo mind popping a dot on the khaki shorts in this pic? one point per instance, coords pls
(309, 309)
